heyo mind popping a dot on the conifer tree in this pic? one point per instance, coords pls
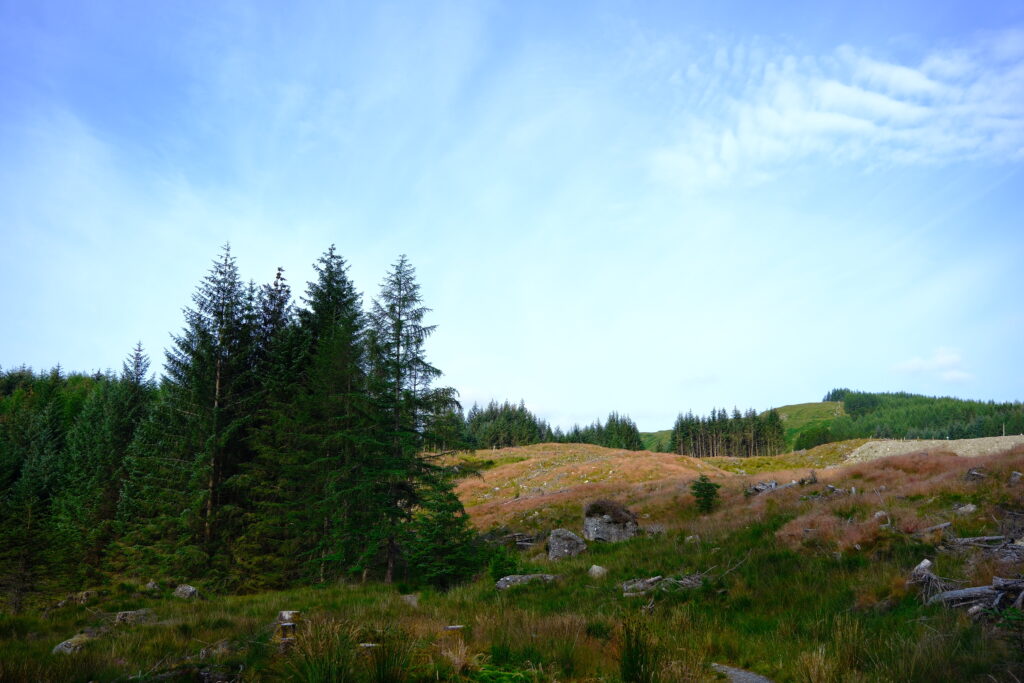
(400, 387)
(198, 438)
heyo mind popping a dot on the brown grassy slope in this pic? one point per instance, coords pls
(539, 487)
(534, 486)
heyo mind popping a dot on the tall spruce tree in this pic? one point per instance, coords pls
(175, 498)
(306, 483)
(400, 381)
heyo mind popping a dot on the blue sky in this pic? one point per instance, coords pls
(634, 206)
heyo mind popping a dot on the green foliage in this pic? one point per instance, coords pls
(706, 493)
(441, 547)
(911, 416)
(503, 425)
(502, 562)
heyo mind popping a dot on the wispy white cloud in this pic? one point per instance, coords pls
(944, 363)
(763, 115)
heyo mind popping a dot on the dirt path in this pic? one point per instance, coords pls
(968, 448)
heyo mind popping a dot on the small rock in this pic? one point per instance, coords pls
(967, 509)
(507, 582)
(1015, 478)
(85, 597)
(654, 529)
(564, 543)
(186, 592)
(139, 616)
(455, 627)
(976, 474)
(411, 599)
(880, 514)
(597, 572)
(72, 645)
(692, 539)
(975, 612)
(152, 586)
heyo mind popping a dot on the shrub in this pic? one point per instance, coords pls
(706, 493)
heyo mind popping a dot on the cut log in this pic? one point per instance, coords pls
(977, 540)
(964, 595)
(1007, 584)
(930, 529)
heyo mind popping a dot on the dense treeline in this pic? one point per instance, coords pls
(282, 444)
(911, 416)
(618, 431)
(721, 434)
(503, 425)
(500, 425)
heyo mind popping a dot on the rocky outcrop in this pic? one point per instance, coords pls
(506, 582)
(609, 522)
(563, 543)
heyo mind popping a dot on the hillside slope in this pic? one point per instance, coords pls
(536, 486)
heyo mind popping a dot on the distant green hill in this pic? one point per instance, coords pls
(798, 417)
(656, 441)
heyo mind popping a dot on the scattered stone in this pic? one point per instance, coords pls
(655, 529)
(73, 644)
(597, 572)
(1015, 478)
(564, 543)
(976, 474)
(139, 616)
(966, 509)
(761, 487)
(412, 599)
(692, 539)
(880, 514)
(186, 592)
(507, 582)
(152, 586)
(608, 521)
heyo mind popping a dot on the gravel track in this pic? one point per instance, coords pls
(967, 448)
